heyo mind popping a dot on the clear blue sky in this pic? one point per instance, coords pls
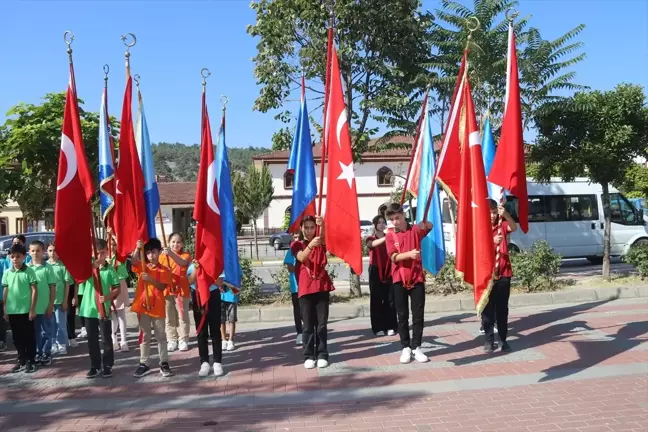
(178, 38)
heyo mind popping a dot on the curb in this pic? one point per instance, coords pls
(342, 311)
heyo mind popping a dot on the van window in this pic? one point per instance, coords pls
(572, 208)
(536, 208)
(623, 211)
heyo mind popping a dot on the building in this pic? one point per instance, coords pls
(12, 220)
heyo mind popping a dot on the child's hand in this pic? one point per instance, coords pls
(497, 239)
(64, 306)
(75, 301)
(96, 264)
(423, 226)
(146, 277)
(32, 315)
(319, 221)
(140, 244)
(315, 242)
(196, 263)
(414, 254)
(501, 211)
(49, 311)
(5, 316)
(102, 299)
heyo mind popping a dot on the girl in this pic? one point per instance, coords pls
(122, 301)
(314, 286)
(177, 297)
(290, 261)
(381, 303)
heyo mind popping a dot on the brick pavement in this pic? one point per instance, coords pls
(580, 367)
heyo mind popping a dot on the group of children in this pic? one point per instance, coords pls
(37, 294)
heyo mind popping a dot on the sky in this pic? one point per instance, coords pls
(176, 39)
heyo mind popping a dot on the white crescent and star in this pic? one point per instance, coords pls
(347, 173)
(67, 147)
(211, 183)
(117, 191)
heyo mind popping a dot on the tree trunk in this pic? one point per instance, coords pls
(354, 284)
(256, 240)
(608, 230)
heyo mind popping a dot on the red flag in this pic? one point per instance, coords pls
(342, 219)
(475, 246)
(509, 169)
(130, 214)
(209, 241)
(73, 212)
(415, 164)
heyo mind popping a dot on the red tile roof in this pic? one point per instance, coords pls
(177, 193)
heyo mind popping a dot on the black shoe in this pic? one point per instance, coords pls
(142, 370)
(165, 370)
(37, 360)
(489, 347)
(107, 372)
(17, 368)
(481, 329)
(506, 347)
(30, 368)
(46, 360)
(92, 373)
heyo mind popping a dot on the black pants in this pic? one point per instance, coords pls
(211, 328)
(71, 315)
(297, 313)
(417, 298)
(315, 311)
(496, 310)
(3, 327)
(381, 303)
(94, 326)
(24, 337)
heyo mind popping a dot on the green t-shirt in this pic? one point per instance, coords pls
(18, 283)
(109, 281)
(45, 277)
(122, 272)
(62, 276)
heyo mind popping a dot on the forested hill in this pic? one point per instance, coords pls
(179, 162)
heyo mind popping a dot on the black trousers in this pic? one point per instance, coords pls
(417, 297)
(211, 328)
(3, 326)
(315, 311)
(496, 310)
(297, 313)
(23, 331)
(381, 303)
(71, 315)
(95, 326)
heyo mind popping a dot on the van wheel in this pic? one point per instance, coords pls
(513, 249)
(641, 242)
(595, 259)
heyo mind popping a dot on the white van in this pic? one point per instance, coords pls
(569, 216)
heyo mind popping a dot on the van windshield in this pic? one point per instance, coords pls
(623, 211)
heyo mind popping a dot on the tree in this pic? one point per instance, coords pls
(635, 183)
(30, 143)
(594, 134)
(252, 195)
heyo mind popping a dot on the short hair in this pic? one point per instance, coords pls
(21, 237)
(52, 243)
(152, 244)
(101, 244)
(18, 249)
(492, 203)
(376, 219)
(37, 243)
(300, 235)
(176, 234)
(394, 208)
(308, 218)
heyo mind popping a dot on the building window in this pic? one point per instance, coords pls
(288, 180)
(19, 225)
(4, 226)
(385, 176)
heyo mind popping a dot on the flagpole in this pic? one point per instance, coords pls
(106, 70)
(327, 80)
(415, 145)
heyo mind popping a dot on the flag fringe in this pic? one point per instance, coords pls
(483, 300)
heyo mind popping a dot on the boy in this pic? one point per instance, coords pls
(150, 304)
(45, 305)
(408, 279)
(121, 303)
(290, 261)
(63, 281)
(89, 311)
(19, 295)
(496, 309)
(229, 305)
(5, 264)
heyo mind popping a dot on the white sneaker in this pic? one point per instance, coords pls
(310, 364)
(391, 332)
(224, 345)
(73, 343)
(322, 363)
(124, 347)
(62, 350)
(83, 333)
(299, 340)
(218, 369)
(230, 345)
(183, 346)
(406, 355)
(204, 369)
(419, 356)
(172, 346)
(115, 346)
(495, 329)
(55, 350)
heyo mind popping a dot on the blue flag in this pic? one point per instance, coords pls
(303, 168)
(232, 268)
(106, 164)
(433, 245)
(151, 193)
(488, 154)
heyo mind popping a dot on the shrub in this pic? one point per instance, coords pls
(249, 283)
(638, 257)
(282, 280)
(446, 281)
(537, 268)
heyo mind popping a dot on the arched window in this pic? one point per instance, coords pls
(385, 177)
(288, 210)
(288, 180)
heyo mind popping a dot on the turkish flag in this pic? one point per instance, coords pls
(209, 240)
(475, 246)
(509, 168)
(72, 211)
(342, 219)
(130, 213)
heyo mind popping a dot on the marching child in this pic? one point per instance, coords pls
(403, 248)
(290, 261)
(229, 306)
(92, 316)
(121, 303)
(177, 295)
(63, 280)
(314, 287)
(149, 304)
(381, 300)
(45, 305)
(19, 295)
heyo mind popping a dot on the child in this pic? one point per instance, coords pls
(290, 261)
(45, 305)
(73, 301)
(177, 296)
(403, 248)
(92, 316)
(63, 281)
(496, 309)
(19, 295)
(229, 306)
(149, 304)
(121, 303)
(314, 285)
(210, 327)
(381, 301)
(3, 328)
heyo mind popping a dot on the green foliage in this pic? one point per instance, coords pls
(286, 222)
(635, 182)
(249, 283)
(282, 280)
(536, 269)
(252, 195)
(638, 257)
(446, 282)
(190, 241)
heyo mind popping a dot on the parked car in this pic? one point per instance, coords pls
(281, 240)
(46, 237)
(366, 228)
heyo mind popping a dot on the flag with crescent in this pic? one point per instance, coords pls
(106, 164)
